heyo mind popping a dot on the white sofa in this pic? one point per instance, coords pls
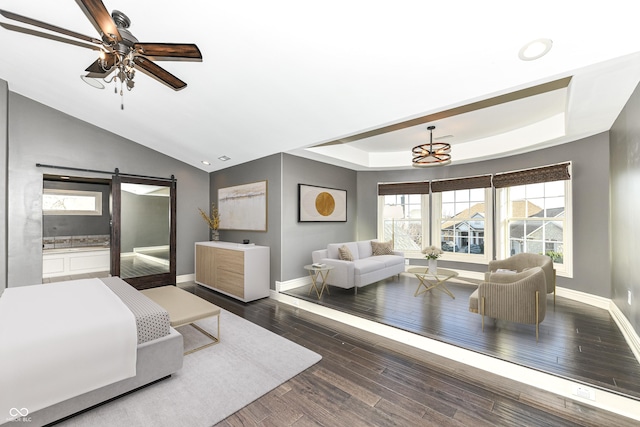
(366, 268)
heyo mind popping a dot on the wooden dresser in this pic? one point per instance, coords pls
(240, 271)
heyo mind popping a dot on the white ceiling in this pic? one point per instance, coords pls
(281, 76)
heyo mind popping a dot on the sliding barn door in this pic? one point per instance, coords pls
(143, 232)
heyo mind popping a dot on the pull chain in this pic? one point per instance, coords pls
(121, 96)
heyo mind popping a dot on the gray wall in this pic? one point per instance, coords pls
(78, 225)
(269, 169)
(4, 119)
(299, 239)
(39, 134)
(145, 221)
(291, 242)
(590, 178)
(625, 205)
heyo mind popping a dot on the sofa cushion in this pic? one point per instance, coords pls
(333, 250)
(344, 253)
(389, 260)
(382, 248)
(367, 265)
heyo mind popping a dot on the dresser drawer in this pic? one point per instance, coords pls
(230, 281)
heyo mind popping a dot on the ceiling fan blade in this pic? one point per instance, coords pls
(47, 36)
(96, 69)
(100, 19)
(44, 25)
(169, 51)
(159, 73)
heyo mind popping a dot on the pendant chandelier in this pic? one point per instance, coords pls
(431, 154)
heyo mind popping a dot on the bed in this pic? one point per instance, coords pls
(155, 353)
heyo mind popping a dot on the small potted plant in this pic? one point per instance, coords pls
(213, 221)
(432, 253)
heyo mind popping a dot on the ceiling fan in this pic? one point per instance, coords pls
(119, 51)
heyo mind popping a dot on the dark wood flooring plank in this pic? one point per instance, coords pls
(357, 366)
(576, 340)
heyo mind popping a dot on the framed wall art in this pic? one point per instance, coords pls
(243, 207)
(320, 204)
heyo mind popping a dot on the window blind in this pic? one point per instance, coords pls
(532, 176)
(482, 181)
(403, 188)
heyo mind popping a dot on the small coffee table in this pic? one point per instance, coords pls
(185, 308)
(314, 273)
(432, 280)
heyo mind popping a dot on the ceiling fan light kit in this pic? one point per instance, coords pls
(120, 52)
(431, 154)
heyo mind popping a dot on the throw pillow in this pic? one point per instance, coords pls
(344, 253)
(382, 248)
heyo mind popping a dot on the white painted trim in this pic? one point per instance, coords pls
(292, 284)
(593, 300)
(551, 383)
(627, 330)
(186, 278)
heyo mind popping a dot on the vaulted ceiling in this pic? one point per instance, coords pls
(354, 83)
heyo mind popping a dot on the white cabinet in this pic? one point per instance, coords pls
(240, 271)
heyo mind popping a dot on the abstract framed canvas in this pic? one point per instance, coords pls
(321, 204)
(243, 207)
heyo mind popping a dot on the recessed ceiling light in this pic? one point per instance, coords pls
(224, 158)
(204, 162)
(535, 49)
(64, 177)
(92, 82)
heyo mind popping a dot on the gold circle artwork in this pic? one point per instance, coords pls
(325, 204)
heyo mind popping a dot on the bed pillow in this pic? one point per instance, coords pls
(344, 253)
(382, 248)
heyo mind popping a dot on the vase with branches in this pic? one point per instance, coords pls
(212, 220)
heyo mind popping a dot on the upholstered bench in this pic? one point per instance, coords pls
(185, 308)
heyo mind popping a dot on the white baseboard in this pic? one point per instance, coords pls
(185, 278)
(630, 335)
(292, 284)
(583, 297)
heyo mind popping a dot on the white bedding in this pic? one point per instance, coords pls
(60, 340)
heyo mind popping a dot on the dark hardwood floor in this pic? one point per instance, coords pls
(367, 380)
(577, 341)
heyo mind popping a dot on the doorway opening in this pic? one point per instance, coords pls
(76, 228)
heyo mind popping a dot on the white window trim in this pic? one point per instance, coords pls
(566, 268)
(436, 199)
(97, 195)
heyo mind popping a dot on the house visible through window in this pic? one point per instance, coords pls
(71, 202)
(462, 221)
(536, 219)
(532, 214)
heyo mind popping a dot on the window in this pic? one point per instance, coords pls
(402, 221)
(462, 225)
(71, 202)
(462, 221)
(536, 219)
(532, 214)
(534, 211)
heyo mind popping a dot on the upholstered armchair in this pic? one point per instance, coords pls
(514, 297)
(523, 261)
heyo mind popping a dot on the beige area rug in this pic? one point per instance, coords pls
(214, 382)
